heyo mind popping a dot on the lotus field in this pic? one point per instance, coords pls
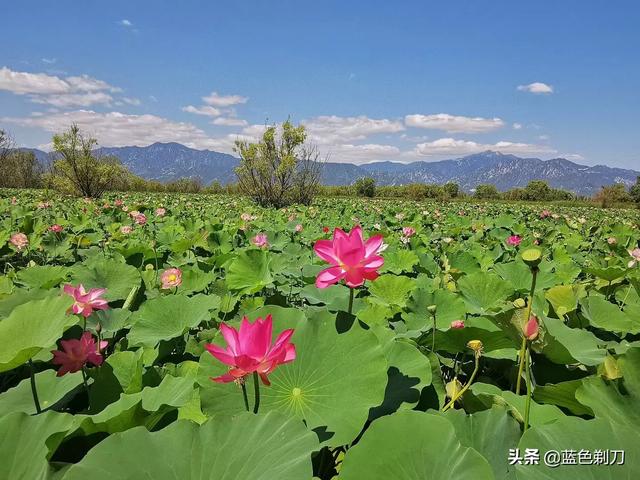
(202, 337)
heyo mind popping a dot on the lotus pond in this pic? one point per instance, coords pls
(201, 337)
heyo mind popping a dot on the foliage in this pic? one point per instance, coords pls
(279, 169)
(365, 187)
(610, 195)
(364, 395)
(79, 171)
(486, 192)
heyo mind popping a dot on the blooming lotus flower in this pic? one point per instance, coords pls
(612, 241)
(170, 278)
(55, 228)
(635, 255)
(531, 328)
(457, 324)
(250, 350)
(545, 214)
(299, 228)
(140, 219)
(75, 354)
(86, 302)
(260, 241)
(126, 229)
(408, 231)
(19, 240)
(514, 240)
(118, 203)
(161, 212)
(352, 259)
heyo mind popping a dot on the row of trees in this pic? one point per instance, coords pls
(18, 168)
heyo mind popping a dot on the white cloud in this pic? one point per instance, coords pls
(22, 83)
(543, 137)
(451, 146)
(453, 123)
(49, 61)
(119, 129)
(153, 98)
(348, 153)
(230, 122)
(536, 87)
(333, 129)
(517, 126)
(217, 100)
(131, 101)
(204, 110)
(66, 100)
(74, 91)
(125, 23)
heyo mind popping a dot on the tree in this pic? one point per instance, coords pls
(78, 170)
(538, 190)
(635, 191)
(18, 168)
(451, 189)
(610, 195)
(365, 187)
(280, 169)
(487, 192)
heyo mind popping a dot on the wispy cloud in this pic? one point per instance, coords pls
(536, 87)
(49, 61)
(451, 146)
(453, 123)
(125, 23)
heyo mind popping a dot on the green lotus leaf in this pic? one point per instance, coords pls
(249, 272)
(484, 292)
(117, 277)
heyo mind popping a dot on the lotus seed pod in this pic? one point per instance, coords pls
(432, 309)
(532, 257)
(519, 303)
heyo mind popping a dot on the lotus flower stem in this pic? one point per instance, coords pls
(256, 390)
(527, 406)
(351, 295)
(466, 387)
(244, 395)
(34, 390)
(534, 276)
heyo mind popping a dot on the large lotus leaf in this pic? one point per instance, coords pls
(195, 280)
(408, 373)
(616, 400)
(117, 277)
(518, 274)
(575, 435)
(42, 276)
(449, 307)
(410, 446)
(169, 316)
(399, 261)
(609, 273)
(391, 290)
(538, 415)
(565, 345)
(27, 442)
(333, 382)
(608, 316)
(249, 272)
(257, 447)
(142, 408)
(562, 394)
(127, 367)
(51, 389)
(31, 327)
(491, 432)
(564, 298)
(484, 292)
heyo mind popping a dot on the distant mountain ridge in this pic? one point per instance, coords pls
(169, 161)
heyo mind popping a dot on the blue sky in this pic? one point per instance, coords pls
(375, 80)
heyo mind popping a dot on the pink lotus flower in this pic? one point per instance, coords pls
(161, 212)
(326, 229)
(126, 229)
(75, 354)
(352, 259)
(118, 203)
(55, 228)
(514, 240)
(260, 241)
(170, 278)
(635, 255)
(19, 240)
(14, 200)
(457, 324)
(140, 218)
(86, 302)
(612, 241)
(408, 231)
(250, 350)
(545, 214)
(299, 228)
(531, 328)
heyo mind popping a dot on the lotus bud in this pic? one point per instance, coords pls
(457, 324)
(453, 388)
(532, 328)
(609, 368)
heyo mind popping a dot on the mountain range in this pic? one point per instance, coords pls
(169, 161)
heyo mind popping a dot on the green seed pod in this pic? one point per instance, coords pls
(532, 257)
